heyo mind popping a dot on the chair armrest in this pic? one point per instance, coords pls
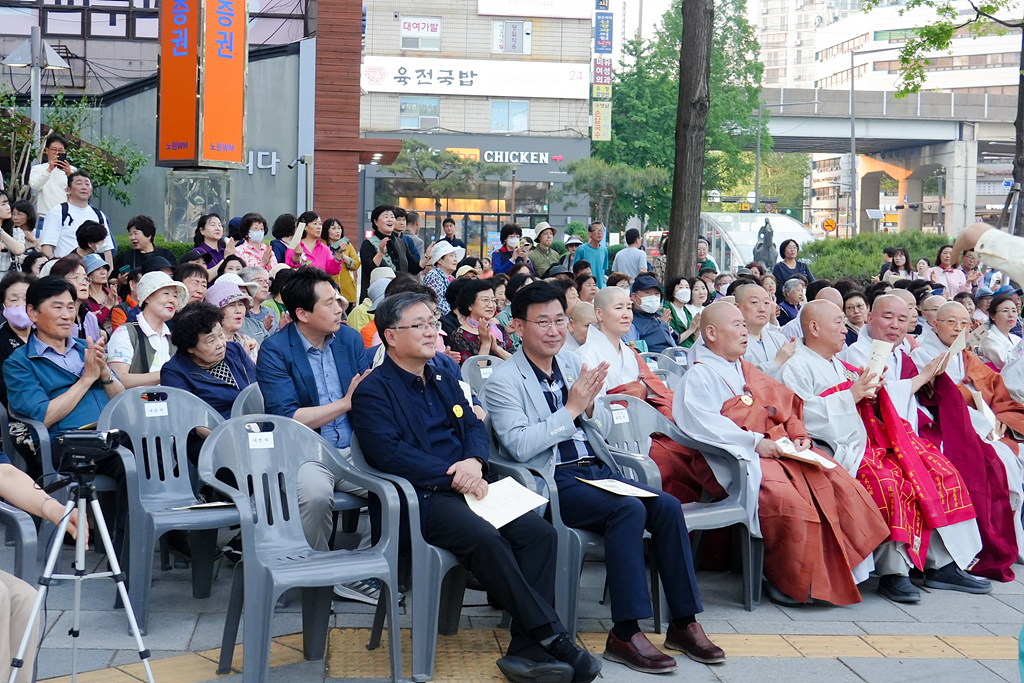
(645, 469)
(384, 489)
(20, 523)
(42, 437)
(516, 471)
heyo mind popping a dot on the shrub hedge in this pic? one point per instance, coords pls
(860, 257)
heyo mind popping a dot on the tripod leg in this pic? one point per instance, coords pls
(44, 583)
(115, 567)
(78, 569)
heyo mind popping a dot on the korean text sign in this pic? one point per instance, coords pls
(179, 75)
(224, 65)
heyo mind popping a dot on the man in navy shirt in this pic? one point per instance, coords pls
(413, 420)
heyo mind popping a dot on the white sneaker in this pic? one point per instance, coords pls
(367, 590)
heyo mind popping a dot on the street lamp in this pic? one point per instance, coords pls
(37, 54)
(854, 179)
(757, 161)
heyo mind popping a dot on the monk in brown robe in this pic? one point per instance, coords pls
(819, 525)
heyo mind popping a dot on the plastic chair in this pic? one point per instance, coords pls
(477, 369)
(19, 524)
(633, 437)
(678, 354)
(158, 421)
(248, 402)
(437, 583)
(673, 370)
(103, 483)
(654, 360)
(7, 440)
(264, 454)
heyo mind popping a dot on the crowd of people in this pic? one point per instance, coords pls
(850, 472)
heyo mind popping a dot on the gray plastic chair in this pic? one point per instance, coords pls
(674, 368)
(20, 526)
(678, 354)
(264, 454)
(7, 440)
(248, 402)
(654, 360)
(158, 421)
(437, 581)
(103, 483)
(634, 438)
(477, 369)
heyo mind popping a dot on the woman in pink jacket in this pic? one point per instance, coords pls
(308, 249)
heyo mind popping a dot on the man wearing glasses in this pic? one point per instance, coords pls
(536, 401)
(413, 420)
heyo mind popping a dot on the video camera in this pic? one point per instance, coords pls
(87, 446)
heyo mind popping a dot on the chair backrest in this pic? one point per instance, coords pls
(678, 354)
(264, 453)
(653, 360)
(248, 402)
(477, 369)
(674, 368)
(7, 441)
(158, 421)
(633, 423)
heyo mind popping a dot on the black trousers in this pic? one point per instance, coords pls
(515, 564)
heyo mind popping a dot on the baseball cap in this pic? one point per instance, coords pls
(465, 270)
(155, 263)
(557, 269)
(985, 291)
(376, 293)
(646, 282)
(234, 278)
(1008, 289)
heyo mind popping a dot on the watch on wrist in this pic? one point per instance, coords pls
(107, 382)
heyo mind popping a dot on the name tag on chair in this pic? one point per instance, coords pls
(620, 417)
(261, 440)
(485, 372)
(156, 409)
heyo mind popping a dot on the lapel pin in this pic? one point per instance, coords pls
(457, 409)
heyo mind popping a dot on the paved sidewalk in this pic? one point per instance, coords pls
(946, 637)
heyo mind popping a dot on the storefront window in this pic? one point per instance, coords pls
(422, 113)
(510, 116)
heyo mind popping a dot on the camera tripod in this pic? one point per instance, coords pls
(81, 490)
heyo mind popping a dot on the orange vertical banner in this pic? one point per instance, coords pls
(222, 102)
(179, 76)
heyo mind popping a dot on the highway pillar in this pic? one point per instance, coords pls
(870, 188)
(912, 200)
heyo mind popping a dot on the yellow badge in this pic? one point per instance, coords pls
(747, 401)
(457, 410)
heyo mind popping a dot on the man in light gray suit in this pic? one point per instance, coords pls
(535, 401)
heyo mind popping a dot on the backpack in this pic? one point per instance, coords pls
(101, 218)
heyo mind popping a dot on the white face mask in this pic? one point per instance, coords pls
(512, 242)
(650, 304)
(722, 289)
(683, 295)
(257, 235)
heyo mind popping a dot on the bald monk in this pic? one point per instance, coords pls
(819, 525)
(996, 423)
(956, 540)
(767, 348)
(581, 317)
(793, 327)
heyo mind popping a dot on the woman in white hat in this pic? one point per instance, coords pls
(234, 303)
(446, 259)
(138, 350)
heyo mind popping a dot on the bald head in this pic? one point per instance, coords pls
(824, 327)
(951, 319)
(746, 291)
(889, 318)
(725, 332)
(830, 294)
(583, 313)
(930, 307)
(608, 296)
(904, 296)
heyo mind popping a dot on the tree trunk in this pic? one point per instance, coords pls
(1018, 149)
(437, 219)
(691, 134)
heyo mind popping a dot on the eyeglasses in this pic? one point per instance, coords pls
(545, 325)
(953, 321)
(422, 327)
(78, 278)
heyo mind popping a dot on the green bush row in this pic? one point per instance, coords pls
(860, 257)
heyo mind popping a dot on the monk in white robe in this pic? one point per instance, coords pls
(817, 522)
(581, 317)
(767, 348)
(997, 419)
(947, 538)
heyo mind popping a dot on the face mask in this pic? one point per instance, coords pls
(722, 289)
(683, 295)
(257, 235)
(17, 317)
(512, 242)
(650, 304)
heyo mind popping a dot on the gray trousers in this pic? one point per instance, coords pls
(316, 487)
(16, 601)
(891, 559)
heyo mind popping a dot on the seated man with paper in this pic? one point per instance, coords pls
(971, 427)
(924, 498)
(819, 525)
(536, 401)
(413, 420)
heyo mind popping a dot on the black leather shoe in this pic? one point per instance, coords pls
(522, 670)
(778, 597)
(898, 588)
(952, 578)
(584, 665)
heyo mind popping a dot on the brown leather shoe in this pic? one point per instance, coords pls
(694, 643)
(638, 654)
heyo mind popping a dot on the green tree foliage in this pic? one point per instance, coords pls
(606, 182)
(577, 228)
(782, 178)
(860, 257)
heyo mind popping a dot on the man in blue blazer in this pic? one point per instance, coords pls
(308, 372)
(536, 400)
(413, 420)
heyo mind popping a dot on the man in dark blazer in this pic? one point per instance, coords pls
(308, 372)
(413, 420)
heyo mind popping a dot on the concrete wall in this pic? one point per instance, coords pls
(271, 129)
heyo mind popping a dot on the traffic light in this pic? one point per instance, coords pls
(789, 212)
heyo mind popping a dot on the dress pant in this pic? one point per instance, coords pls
(890, 559)
(16, 601)
(315, 492)
(515, 564)
(622, 520)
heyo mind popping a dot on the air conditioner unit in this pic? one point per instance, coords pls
(430, 122)
(798, 43)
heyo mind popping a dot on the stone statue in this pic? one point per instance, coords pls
(765, 250)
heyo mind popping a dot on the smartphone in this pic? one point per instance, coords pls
(340, 244)
(124, 269)
(63, 156)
